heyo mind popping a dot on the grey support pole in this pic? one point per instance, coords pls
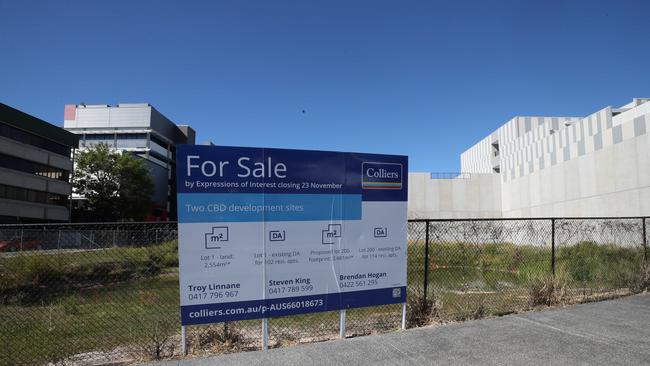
(342, 323)
(183, 341)
(265, 334)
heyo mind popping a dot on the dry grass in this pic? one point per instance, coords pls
(548, 291)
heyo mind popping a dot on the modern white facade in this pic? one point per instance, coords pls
(139, 129)
(597, 165)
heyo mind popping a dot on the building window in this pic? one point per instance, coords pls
(19, 135)
(131, 136)
(495, 148)
(14, 163)
(100, 136)
(30, 195)
(159, 141)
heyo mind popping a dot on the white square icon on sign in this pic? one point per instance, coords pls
(333, 231)
(214, 239)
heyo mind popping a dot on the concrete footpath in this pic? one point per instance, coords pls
(615, 332)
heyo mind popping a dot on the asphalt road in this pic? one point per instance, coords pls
(615, 332)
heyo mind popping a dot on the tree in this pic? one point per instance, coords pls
(116, 185)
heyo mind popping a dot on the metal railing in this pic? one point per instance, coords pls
(90, 293)
(450, 175)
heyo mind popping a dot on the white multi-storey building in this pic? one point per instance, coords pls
(597, 165)
(141, 130)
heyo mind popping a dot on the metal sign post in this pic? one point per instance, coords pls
(183, 341)
(265, 333)
(342, 323)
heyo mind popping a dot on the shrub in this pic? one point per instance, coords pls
(421, 312)
(226, 335)
(469, 308)
(547, 291)
(40, 270)
(641, 282)
(158, 343)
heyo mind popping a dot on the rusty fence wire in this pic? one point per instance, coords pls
(81, 294)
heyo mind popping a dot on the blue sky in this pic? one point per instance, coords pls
(426, 79)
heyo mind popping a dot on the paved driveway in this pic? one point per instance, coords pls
(615, 332)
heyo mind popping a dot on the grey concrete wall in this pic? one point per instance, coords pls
(476, 196)
(606, 174)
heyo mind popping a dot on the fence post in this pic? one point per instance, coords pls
(426, 263)
(553, 247)
(21, 238)
(183, 341)
(645, 241)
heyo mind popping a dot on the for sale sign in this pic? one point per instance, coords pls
(273, 232)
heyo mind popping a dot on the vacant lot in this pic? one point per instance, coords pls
(125, 300)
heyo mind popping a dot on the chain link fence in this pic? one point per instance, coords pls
(79, 294)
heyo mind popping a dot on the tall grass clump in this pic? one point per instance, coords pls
(601, 265)
(548, 291)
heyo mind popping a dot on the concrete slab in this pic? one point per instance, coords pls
(615, 332)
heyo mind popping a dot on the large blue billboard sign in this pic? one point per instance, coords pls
(273, 232)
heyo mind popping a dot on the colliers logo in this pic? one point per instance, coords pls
(381, 175)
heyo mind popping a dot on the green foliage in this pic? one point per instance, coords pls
(117, 185)
(469, 280)
(600, 266)
(33, 278)
(70, 305)
(88, 319)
